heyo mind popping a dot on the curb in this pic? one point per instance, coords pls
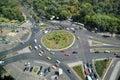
(62, 48)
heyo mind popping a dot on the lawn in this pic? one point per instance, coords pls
(96, 43)
(101, 66)
(35, 69)
(58, 39)
(79, 70)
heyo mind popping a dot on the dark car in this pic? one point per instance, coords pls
(68, 70)
(38, 72)
(49, 69)
(117, 56)
(75, 52)
(25, 69)
(96, 51)
(31, 69)
(41, 68)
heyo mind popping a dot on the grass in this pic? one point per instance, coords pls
(101, 66)
(96, 43)
(43, 26)
(78, 69)
(35, 69)
(103, 49)
(57, 39)
(3, 37)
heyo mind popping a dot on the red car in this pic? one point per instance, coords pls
(86, 71)
(57, 65)
(67, 54)
(62, 51)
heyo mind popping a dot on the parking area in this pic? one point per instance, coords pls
(35, 70)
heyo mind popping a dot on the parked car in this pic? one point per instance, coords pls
(49, 69)
(31, 69)
(1, 62)
(41, 67)
(30, 47)
(36, 47)
(56, 64)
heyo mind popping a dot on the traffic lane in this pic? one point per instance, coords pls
(101, 55)
(110, 70)
(72, 76)
(109, 46)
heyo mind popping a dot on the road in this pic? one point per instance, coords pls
(81, 46)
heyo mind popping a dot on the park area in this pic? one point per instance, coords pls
(59, 39)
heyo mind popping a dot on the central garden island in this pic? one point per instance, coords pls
(58, 40)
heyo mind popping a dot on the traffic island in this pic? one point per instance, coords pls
(58, 40)
(102, 66)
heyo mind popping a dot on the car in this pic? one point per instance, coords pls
(1, 62)
(85, 66)
(117, 56)
(36, 47)
(86, 71)
(78, 37)
(31, 69)
(69, 71)
(92, 75)
(58, 61)
(52, 53)
(30, 47)
(39, 54)
(91, 65)
(49, 69)
(41, 67)
(35, 40)
(25, 69)
(89, 69)
(96, 51)
(53, 67)
(41, 51)
(56, 64)
(74, 52)
(88, 77)
(49, 58)
(39, 46)
(106, 51)
(38, 72)
(62, 51)
(67, 54)
(95, 75)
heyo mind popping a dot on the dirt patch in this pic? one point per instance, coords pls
(4, 32)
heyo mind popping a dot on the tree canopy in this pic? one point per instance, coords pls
(101, 14)
(10, 10)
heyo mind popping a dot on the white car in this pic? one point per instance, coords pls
(39, 46)
(1, 62)
(45, 31)
(36, 47)
(58, 61)
(35, 40)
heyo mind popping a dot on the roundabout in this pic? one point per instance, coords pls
(58, 40)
